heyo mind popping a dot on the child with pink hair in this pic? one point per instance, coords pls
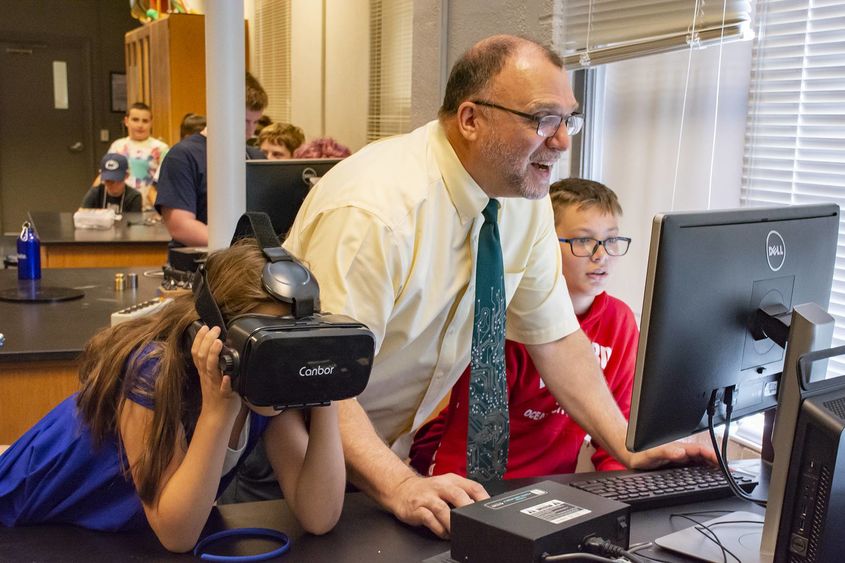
(324, 147)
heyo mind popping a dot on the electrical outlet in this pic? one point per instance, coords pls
(104, 135)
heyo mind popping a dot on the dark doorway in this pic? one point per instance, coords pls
(46, 152)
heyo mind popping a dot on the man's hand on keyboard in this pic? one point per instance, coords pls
(681, 453)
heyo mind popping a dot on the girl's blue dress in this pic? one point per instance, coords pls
(55, 474)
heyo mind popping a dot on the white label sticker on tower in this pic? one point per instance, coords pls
(515, 498)
(555, 511)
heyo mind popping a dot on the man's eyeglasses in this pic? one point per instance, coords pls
(547, 124)
(585, 247)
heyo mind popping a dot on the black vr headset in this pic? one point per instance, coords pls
(305, 359)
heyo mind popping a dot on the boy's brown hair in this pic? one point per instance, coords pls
(584, 194)
(282, 134)
(141, 106)
(256, 97)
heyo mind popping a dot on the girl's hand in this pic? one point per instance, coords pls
(217, 394)
(187, 487)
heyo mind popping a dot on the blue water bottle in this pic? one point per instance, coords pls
(29, 253)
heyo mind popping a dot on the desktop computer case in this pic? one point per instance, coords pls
(812, 524)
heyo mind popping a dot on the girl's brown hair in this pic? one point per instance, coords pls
(111, 360)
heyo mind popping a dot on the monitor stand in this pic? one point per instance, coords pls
(739, 532)
(811, 328)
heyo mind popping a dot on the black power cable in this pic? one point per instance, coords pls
(721, 454)
(594, 548)
(602, 546)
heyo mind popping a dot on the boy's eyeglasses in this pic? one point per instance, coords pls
(584, 247)
(547, 124)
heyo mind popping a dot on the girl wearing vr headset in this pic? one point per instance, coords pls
(154, 434)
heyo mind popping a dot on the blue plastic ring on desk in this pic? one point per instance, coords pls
(264, 533)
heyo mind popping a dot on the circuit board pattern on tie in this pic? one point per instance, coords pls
(488, 423)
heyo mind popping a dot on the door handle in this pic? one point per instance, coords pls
(76, 147)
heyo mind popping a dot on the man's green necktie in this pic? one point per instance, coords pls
(487, 430)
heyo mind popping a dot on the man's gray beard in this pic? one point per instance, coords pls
(496, 152)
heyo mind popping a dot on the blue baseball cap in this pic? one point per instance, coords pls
(113, 167)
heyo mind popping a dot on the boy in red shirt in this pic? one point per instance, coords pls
(544, 440)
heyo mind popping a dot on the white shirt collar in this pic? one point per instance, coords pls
(467, 196)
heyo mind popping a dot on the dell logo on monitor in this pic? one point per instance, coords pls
(775, 250)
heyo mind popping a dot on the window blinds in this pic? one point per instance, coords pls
(272, 55)
(795, 131)
(602, 31)
(391, 27)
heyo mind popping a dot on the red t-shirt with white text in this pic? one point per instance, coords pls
(544, 440)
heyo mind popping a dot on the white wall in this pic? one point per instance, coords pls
(306, 73)
(330, 62)
(648, 128)
(469, 22)
(428, 61)
(443, 30)
(347, 71)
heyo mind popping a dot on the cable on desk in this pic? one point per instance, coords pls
(635, 549)
(575, 557)
(721, 454)
(714, 524)
(594, 548)
(703, 512)
(604, 547)
(263, 533)
(707, 532)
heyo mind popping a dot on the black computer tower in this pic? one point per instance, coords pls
(812, 524)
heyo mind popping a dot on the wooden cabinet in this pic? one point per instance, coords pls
(165, 68)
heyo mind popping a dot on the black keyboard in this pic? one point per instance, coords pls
(666, 487)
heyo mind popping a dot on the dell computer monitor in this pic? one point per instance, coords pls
(278, 187)
(708, 273)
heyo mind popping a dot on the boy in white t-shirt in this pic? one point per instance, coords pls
(143, 152)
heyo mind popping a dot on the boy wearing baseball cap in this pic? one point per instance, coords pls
(113, 193)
